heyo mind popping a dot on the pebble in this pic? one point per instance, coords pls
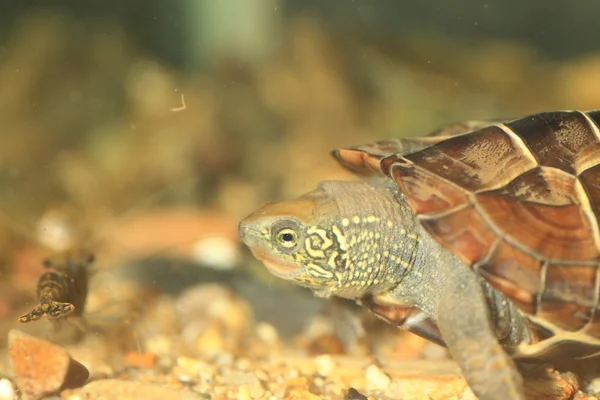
(223, 360)
(219, 253)
(324, 364)
(115, 389)
(243, 393)
(214, 318)
(267, 333)
(211, 342)
(42, 368)
(7, 391)
(326, 344)
(256, 389)
(299, 389)
(301, 394)
(354, 394)
(140, 360)
(377, 377)
(243, 364)
(159, 344)
(194, 368)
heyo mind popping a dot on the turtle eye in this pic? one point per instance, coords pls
(287, 235)
(287, 238)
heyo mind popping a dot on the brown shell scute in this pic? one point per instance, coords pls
(483, 160)
(556, 138)
(366, 159)
(518, 201)
(557, 233)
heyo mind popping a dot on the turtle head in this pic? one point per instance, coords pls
(294, 239)
(332, 240)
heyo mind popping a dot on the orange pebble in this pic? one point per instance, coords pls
(143, 360)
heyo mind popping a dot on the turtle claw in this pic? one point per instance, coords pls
(53, 310)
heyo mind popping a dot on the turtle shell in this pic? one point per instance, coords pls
(518, 202)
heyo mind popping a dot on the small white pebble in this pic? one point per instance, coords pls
(257, 391)
(194, 368)
(267, 333)
(261, 375)
(291, 373)
(243, 364)
(377, 377)
(7, 391)
(224, 360)
(159, 344)
(243, 393)
(219, 253)
(324, 364)
(320, 326)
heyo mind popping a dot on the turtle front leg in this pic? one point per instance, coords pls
(470, 332)
(403, 316)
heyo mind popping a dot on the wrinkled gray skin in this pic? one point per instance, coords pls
(350, 239)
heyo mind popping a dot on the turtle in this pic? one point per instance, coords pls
(482, 237)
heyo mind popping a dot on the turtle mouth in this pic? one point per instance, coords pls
(279, 268)
(281, 271)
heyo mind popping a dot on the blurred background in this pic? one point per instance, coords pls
(162, 124)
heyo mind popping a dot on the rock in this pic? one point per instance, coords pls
(41, 368)
(377, 377)
(219, 253)
(115, 389)
(190, 369)
(267, 333)
(354, 394)
(324, 364)
(7, 391)
(140, 359)
(243, 393)
(326, 344)
(300, 389)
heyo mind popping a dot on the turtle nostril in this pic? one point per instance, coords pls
(244, 231)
